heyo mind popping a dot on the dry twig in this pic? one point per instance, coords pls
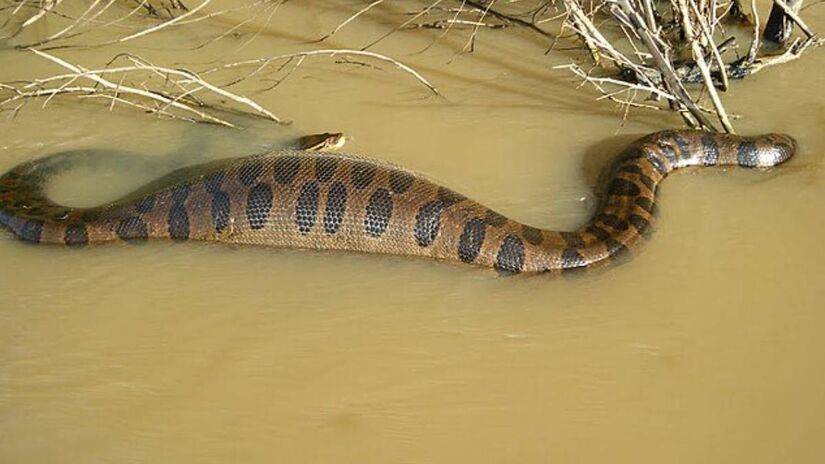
(262, 63)
(187, 83)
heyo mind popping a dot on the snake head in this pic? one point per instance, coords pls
(770, 150)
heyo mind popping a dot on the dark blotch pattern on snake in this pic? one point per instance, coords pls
(295, 199)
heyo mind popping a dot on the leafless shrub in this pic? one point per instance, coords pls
(678, 55)
(129, 80)
(676, 52)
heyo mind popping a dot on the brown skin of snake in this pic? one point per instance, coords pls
(312, 200)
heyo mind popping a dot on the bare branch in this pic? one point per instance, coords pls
(263, 62)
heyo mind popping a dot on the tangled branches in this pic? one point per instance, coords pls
(661, 49)
(129, 80)
(678, 55)
(170, 92)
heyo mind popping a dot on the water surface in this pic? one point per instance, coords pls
(705, 347)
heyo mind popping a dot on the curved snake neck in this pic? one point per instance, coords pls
(297, 199)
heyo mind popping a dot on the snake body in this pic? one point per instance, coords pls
(313, 200)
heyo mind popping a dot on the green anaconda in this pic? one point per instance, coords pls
(299, 199)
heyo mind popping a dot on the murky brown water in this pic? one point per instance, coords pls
(706, 347)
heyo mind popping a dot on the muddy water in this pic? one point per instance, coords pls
(706, 347)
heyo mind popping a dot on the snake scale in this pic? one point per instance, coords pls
(314, 200)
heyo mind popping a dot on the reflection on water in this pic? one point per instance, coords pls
(703, 348)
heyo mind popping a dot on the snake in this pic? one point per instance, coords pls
(327, 201)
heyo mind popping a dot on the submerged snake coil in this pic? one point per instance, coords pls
(296, 199)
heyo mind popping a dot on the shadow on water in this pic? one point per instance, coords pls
(599, 156)
(135, 156)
